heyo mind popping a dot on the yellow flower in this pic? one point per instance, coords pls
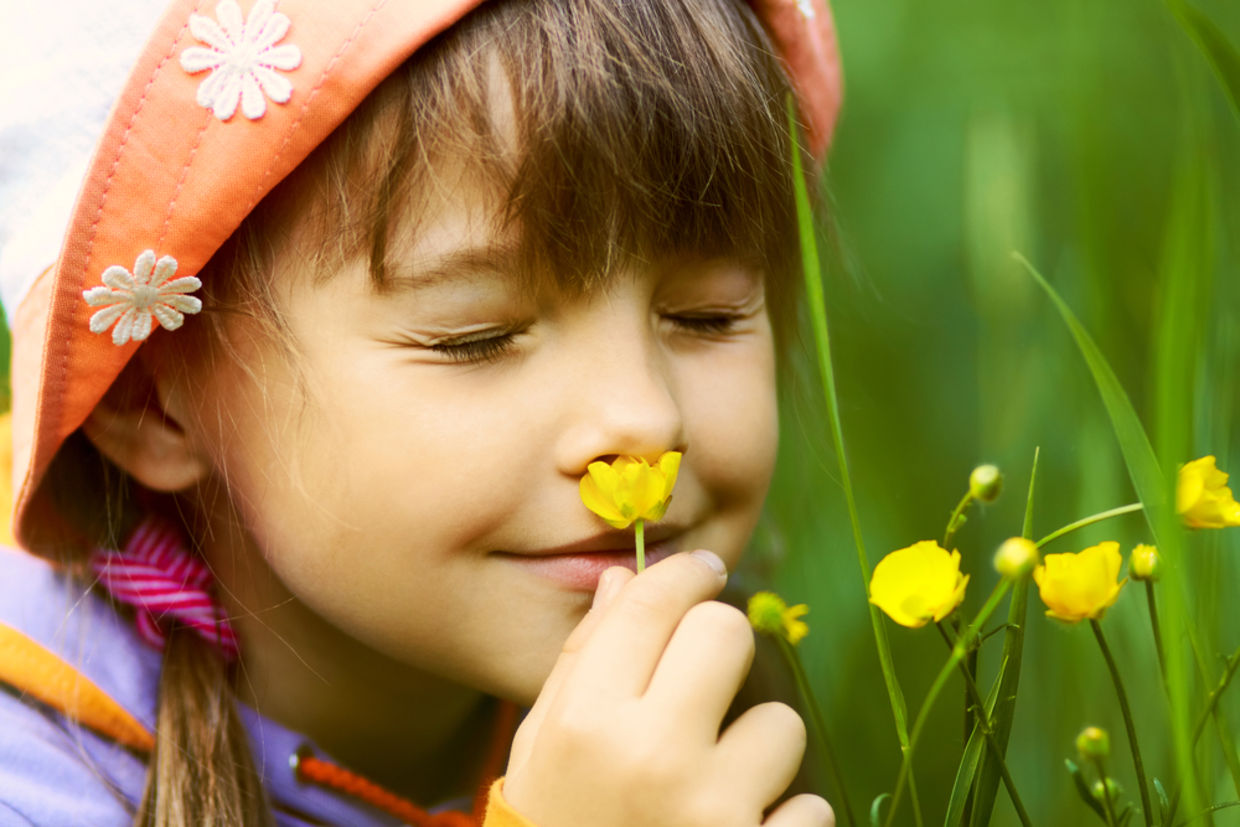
(918, 584)
(1202, 497)
(769, 614)
(1079, 586)
(629, 489)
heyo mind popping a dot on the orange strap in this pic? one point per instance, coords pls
(38, 672)
(310, 768)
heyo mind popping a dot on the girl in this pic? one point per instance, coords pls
(350, 297)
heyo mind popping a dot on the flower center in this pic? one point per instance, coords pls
(144, 295)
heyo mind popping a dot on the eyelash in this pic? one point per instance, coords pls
(483, 351)
(480, 351)
(714, 325)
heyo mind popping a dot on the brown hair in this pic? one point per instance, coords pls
(641, 129)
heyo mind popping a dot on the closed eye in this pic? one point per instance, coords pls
(485, 349)
(710, 324)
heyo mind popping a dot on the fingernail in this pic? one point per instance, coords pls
(712, 560)
(603, 592)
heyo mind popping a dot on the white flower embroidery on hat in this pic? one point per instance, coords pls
(132, 301)
(242, 58)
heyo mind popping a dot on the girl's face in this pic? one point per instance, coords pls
(411, 476)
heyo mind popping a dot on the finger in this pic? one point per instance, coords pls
(609, 585)
(802, 811)
(762, 750)
(703, 666)
(618, 660)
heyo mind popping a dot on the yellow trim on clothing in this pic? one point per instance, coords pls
(38, 672)
(500, 812)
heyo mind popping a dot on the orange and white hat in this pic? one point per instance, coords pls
(222, 102)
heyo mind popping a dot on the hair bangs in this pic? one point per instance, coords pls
(612, 134)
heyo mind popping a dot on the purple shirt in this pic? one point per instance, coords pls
(53, 773)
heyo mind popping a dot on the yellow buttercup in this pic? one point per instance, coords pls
(629, 489)
(769, 614)
(918, 584)
(1080, 586)
(1202, 497)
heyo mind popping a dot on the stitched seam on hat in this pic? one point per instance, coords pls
(176, 194)
(55, 391)
(305, 107)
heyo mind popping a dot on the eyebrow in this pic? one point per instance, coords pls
(460, 263)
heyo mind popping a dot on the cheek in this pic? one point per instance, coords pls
(733, 424)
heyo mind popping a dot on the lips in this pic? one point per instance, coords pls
(579, 565)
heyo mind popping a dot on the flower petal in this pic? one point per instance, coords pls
(104, 318)
(143, 267)
(143, 322)
(597, 500)
(274, 85)
(165, 269)
(185, 284)
(286, 57)
(184, 304)
(208, 31)
(253, 103)
(229, 15)
(168, 317)
(124, 328)
(98, 296)
(268, 30)
(197, 59)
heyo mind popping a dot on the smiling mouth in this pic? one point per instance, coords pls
(578, 566)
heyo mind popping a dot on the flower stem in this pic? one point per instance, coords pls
(983, 721)
(1158, 644)
(1138, 765)
(1090, 520)
(1212, 700)
(819, 727)
(959, 651)
(954, 522)
(1108, 807)
(811, 269)
(639, 534)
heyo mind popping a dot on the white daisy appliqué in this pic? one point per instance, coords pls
(807, 8)
(132, 301)
(243, 59)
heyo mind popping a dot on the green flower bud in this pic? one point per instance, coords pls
(1093, 743)
(985, 483)
(1016, 557)
(1145, 564)
(1112, 789)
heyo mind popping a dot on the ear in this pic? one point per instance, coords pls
(132, 427)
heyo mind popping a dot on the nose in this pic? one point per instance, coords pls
(619, 398)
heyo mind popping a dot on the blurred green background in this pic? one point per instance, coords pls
(1095, 138)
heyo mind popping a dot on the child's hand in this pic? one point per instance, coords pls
(626, 729)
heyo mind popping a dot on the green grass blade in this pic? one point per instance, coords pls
(1002, 709)
(966, 772)
(1152, 489)
(1026, 529)
(1143, 469)
(1213, 43)
(818, 318)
